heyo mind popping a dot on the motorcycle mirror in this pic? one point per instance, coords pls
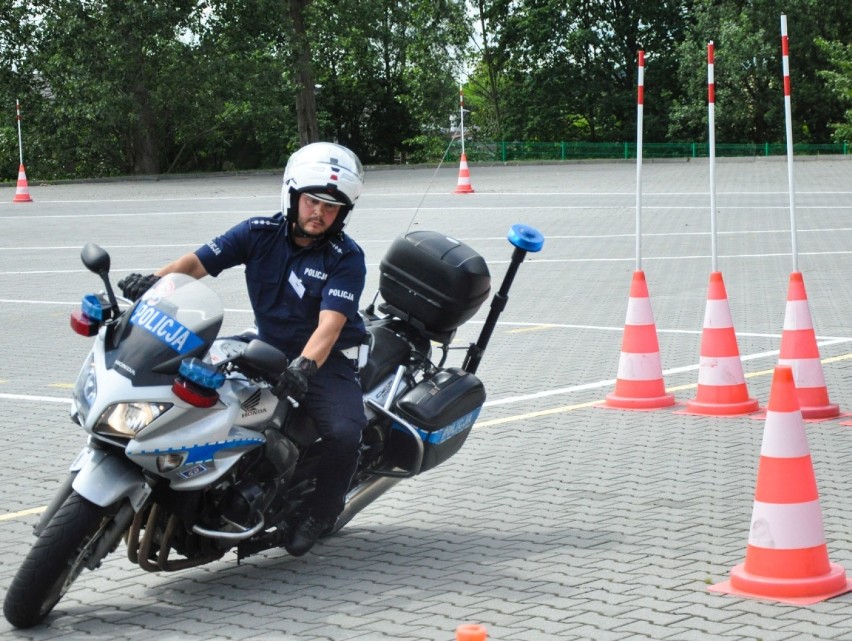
(95, 258)
(265, 357)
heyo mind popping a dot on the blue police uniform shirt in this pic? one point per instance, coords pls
(289, 285)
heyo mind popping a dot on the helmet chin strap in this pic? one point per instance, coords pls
(301, 233)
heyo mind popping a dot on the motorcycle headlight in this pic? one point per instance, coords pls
(128, 419)
(85, 389)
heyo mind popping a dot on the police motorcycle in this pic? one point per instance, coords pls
(190, 454)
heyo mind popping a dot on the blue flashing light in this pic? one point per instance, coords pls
(201, 373)
(92, 307)
(525, 237)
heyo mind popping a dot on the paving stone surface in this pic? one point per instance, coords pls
(559, 519)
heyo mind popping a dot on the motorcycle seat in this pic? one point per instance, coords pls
(388, 352)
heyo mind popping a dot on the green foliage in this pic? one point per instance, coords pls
(386, 71)
(110, 88)
(566, 69)
(749, 97)
(748, 69)
(839, 81)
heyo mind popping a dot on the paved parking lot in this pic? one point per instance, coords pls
(558, 519)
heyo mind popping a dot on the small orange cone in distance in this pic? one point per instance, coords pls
(787, 557)
(471, 632)
(464, 186)
(799, 350)
(722, 389)
(22, 193)
(639, 383)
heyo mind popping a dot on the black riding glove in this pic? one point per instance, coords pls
(134, 285)
(293, 381)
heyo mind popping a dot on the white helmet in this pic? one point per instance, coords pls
(327, 171)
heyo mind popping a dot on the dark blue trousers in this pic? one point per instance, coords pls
(335, 403)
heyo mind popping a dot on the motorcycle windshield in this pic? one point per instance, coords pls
(177, 318)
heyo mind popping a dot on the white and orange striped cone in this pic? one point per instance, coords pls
(799, 350)
(639, 384)
(22, 193)
(787, 557)
(722, 389)
(464, 186)
(471, 632)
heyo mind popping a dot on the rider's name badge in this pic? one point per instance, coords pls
(297, 284)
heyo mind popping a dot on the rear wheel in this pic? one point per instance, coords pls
(56, 559)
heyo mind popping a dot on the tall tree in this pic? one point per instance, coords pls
(487, 83)
(198, 86)
(571, 65)
(748, 70)
(99, 65)
(387, 71)
(242, 112)
(306, 106)
(16, 39)
(194, 85)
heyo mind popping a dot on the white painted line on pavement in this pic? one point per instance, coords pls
(35, 399)
(14, 515)
(409, 194)
(529, 260)
(666, 372)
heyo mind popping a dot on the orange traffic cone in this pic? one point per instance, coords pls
(471, 632)
(722, 389)
(22, 193)
(464, 186)
(639, 384)
(786, 558)
(799, 350)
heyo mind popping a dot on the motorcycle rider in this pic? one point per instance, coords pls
(304, 277)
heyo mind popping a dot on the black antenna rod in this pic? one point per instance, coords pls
(525, 239)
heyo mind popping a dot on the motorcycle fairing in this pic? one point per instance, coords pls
(177, 318)
(204, 452)
(105, 479)
(210, 442)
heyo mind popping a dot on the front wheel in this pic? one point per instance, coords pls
(56, 559)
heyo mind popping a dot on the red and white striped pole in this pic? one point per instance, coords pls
(640, 103)
(788, 117)
(461, 116)
(639, 383)
(20, 142)
(711, 119)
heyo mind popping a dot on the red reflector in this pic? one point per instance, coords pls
(82, 324)
(193, 394)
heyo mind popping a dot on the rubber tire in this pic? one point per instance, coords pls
(55, 561)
